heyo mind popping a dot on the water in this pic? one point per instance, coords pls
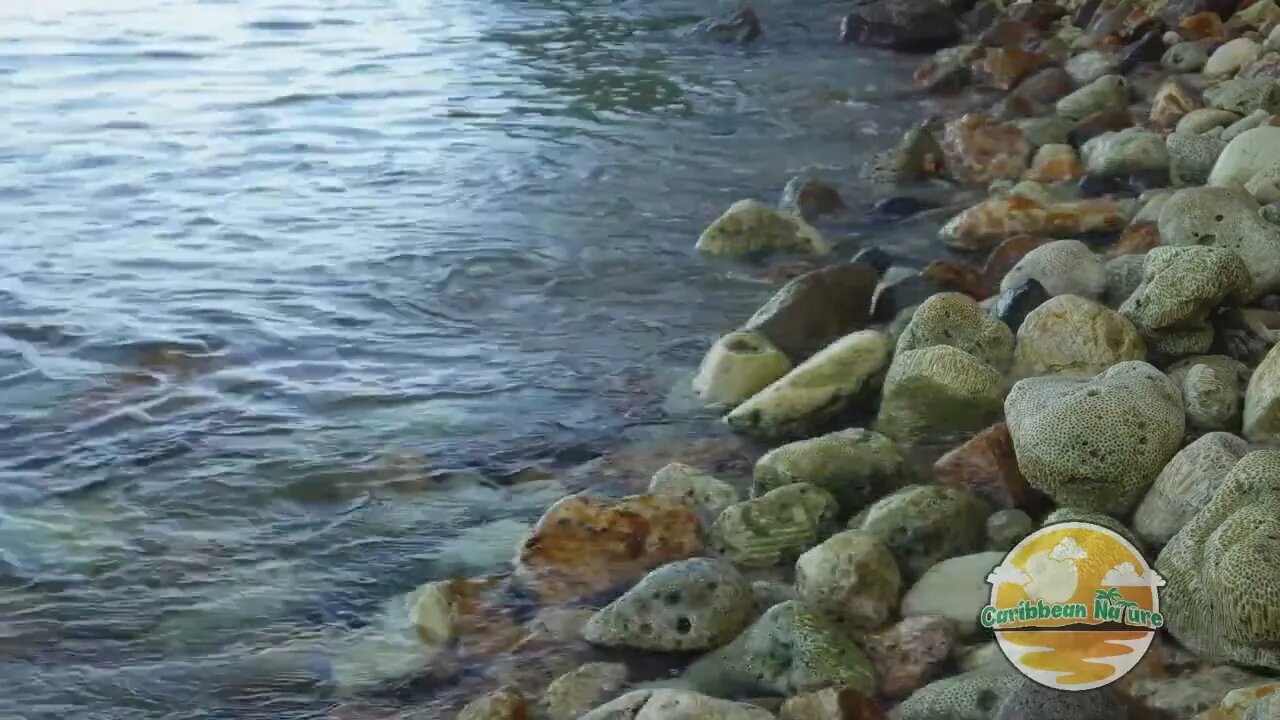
(295, 292)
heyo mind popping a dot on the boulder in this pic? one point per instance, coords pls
(856, 466)
(1096, 444)
(813, 310)
(1041, 131)
(853, 577)
(749, 227)
(774, 528)
(1070, 335)
(1007, 528)
(1231, 56)
(958, 321)
(956, 589)
(1225, 218)
(810, 198)
(1062, 267)
(707, 495)
(911, 654)
(1185, 57)
(1248, 154)
(1126, 152)
(936, 392)
(1066, 514)
(739, 365)
(981, 149)
(1192, 157)
(1245, 96)
(985, 224)
(925, 524)
(1109, 92)
(696, 604)
(1185, 486)
(907, 25)
(986, 466)
(675, 705)
(575, 693)
(973, 695)
(1033, 700)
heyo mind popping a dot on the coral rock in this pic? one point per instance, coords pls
(573, 694)
(1005, 256)
(958, 321)
(938, 391)
(1185, 486)
(774, 528)
(856, 466)
(750, 226)
(924, 524)
(853, 577)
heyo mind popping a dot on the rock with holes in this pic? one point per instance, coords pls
(1033, 700)
(936, 392)
(1192, 156)
(1070, 335)
(575, 693)
(853, 577)
(1248, 154)
(793, 648)
(973, 695)
(958, 321)
(842, 375)
(1125, 152)
(774, 528)
(675, 705)
(749, 227)
(1096, 444)
(1181, 288)
(1225, 218)
(811, 311)
(739, 365)
(856, 466)
(1109, 92)
(695, 604)
(1223, 584)
(1063, 267)
(699, 490)
(911, 654)
(1185, 486)
(1007, 528)
(924, 524)
(955, 589)
(1243, 96)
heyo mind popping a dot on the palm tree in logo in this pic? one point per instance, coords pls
(1111, 595)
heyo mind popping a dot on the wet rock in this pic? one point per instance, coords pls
(840, 376)
(1220, 570)
(815, 309)
(899, 207)
(856, 466)
(1191, 157)
(947, 72)
(874, 256)
(696, 604)
(956, 277)
(1225, 218)
(739, 365)
(503, 704)
(956, 589)
(1248, 154)
(1202, 26)
(1137, 239)
(1007, 528)
(674, 705)
(1185, 486)
(1013, 305)
(1006, 33)
(1055, 163)
(896, 294)
(1107, 93)
(924, 524)
(1184, 695)
(742, 27)
(1185, 57)
(1181, 288)
(701, 491)
(793, 648)
(810, 198)
(986, 466)
(1244, 96)
(935, 392)
(749, 227)
(1149, 47)
(1004, 67)
(918, 156)
(774, 528)
(1172, 102)
(1096, 444)
(907, 25)
(981, 149)
(1099, 123)
(1039, 14)
(1005, 256)
(988, 222)
(578, 691)
(958, 321)
(1041, 131)
(1231, 56)
(584, 545)
(974, 695)
(1075, 337)
(1063, 267)
(1033, 700)
(1254, 702)
(1125, 152)
(853, 577)
(1205, 119)
(911, 654)
(834, 703)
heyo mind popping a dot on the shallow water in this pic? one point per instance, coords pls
(293, 292)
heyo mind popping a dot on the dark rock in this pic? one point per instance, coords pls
(743, 27)
(899, 207)
(982, 16)
(1235, 337)
(960, 7)
(907, 25)
(894, 297)
(1176, 10)
(1007, 33)
(1033, 701)
(876, 257)
(1045, 87)
(810, 198)
(809, 312)
(1085, 14)
(1013, 305)
(1041, 14)
(1145, 180)
(957, 277)
(1093, 185)
(1148, 48)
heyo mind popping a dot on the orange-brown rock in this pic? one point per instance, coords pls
(987, 466)
(1202, 26)
(1171, 102)
(502, 704)
(911, 654)
(981, 149)
(1007, 33)
(833, 703)
(955, 276)
(1003, 68)
(1138, 239)
(1005, 256)
(1238, 702)
(985, 224)
(584, 545)
(1055, 163)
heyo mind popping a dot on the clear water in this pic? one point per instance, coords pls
(294, 292)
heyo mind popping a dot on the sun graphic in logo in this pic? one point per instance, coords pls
(1074, 606)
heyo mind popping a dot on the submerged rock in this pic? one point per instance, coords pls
(674, 705)
(750, 227)
(502, 704)
(816, 308)
(739, 365)
(856, 466)
(575, 693)
(853, 577)
(774, 528)
(1075, 337)
(1062, 267)
(1055, 163)
(1185, 486)
(908, 25)
(938, 391)
(924, 524)
(1109, 92)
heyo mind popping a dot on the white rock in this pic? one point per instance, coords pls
(956, 589)
(1231, 56)
(739, 365)
(1265, 186)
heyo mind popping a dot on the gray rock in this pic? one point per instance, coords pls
(1041, 131)
(1125, 152)
(1261, 422)
(750, 226)
(853, 577)
(937, 392)
(1007, 528)
(1245, 96)
(1077, 515)
(1185, 486)
(1124, 275)
(974, 695)
(1249, 122)
(1089, 66)
(774, 528)
(675, 705)
(1247, 155)
(1033, 700)
(810, 198)
(925, 524)
(1185, 57)
(856, 466)
(1063, 267)
(697, 489)
(1186, 695)
(1191, 157)
(1202, 120)
(1109, 92)
(1225, 218)
(956, 589)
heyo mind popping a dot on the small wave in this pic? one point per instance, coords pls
(280, 25)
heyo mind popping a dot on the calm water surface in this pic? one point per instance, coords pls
(292, 292)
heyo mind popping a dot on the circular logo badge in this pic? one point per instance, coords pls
(1074, 606)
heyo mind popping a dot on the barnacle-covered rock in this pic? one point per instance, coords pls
(1223, 584)
(1186, 485)
(1069, 335)
(775, 527)
(853, 577)
(924, 524)
(938, 391)
(739, 365)
(1096, 444)
(1225, 218)
(750, 226)
(958, 321)
(1063, 267)
(856, 466)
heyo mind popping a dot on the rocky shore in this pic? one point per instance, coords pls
(1103, 351)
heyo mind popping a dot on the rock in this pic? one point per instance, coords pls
(1244, 96)
(1220, 569)
(985, 656)
(1231, 56)
(1124, 275)
(898, 207)
(1173, 101)
(792, 649)
(947, 72)
(742, 27)
(1184, 695)
(1098, 123)
(911, 654)
(1089, 66)
(1138, 239)
(1004, 257)
(1055, 163)
(1040, 131)
(1068, 514)
(874, 256)
(981, 149)
(695, 488)
(834, 703)
(956, 589)
(937, 391)
(1096, 444)
(674, 705)
(1248, 154)
(918, 156)
(839, 376)
(1181, 287)
(953, 276)
(1075, 337)
(1202, 26)
(1125, 152)
(1063, 267)
(1003, 68)
(1148, 48)
(899, 292)
(1013, 305)
(1006, 33)
(1255, 702)
(974, 695)
(811, 311)
(774, 528)
(696, 604)
(1185, 57)
(984, 224)
(1255, 119)
(1243, 337)
(738, 366)
(1186, 485)
(856, 466)
(924, 524)
(1262, 400)
(1212, 399)
(907, 25)
(1265, 66)
(503, 704)
(986, 466)
(1192, 157)
(1007, 528)
(750, 227)
(1109, 92)
(810, 198)
(1265, 186)
(853, 577)
(958, 321)
(1198, 122)
(1033, 700)
(1040, 14)
(1225, 218)
(578, 691)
